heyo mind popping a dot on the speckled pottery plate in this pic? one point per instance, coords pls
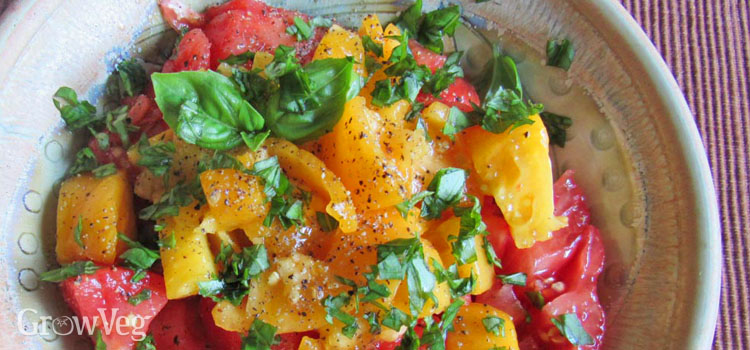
(633, 144)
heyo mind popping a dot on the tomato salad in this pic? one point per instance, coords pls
(283, 182)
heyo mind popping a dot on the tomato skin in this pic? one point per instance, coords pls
(247, 25)
(145, 114)
(193, 53)
(179, 326)
(108, 289)
(179, 16)
(503, 297)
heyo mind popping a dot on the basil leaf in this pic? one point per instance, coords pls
(274, 179)
(156, 158)
(517, 279)
(132, 77)
(560, 53)
(239, 59)
(333, 82)
(71, 270)
(102, 139)
(570, 327)
(76, 114)
(410, 18)
(205, 108)
(327, 222)
(437, 24)
(284, 62)
(304, 30)
(494, 325)
(457, 122)
(254, 141)
(104, 170)
(373, 322)
(261, 336)
(142, 296)
(333, 307)
(252, 85)
(445, 75)
(557, 127)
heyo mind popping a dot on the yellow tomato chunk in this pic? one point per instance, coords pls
(483, 271)
(341, 43)
(190, 261)
(304, 167)
(470, 331)
(289, 296)
(103, 207)
(514, 167)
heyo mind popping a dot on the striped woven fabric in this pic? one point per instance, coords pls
(706, 43)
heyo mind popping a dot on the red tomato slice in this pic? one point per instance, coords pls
(246, 25)
(193, 53)
(585, 304)
(426, 57)
(503, 297)
(146, 115)
(102, 299)
(543, 259)
(217, 336)
(179, 16)
(179, 326)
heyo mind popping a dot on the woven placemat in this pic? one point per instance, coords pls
(706, 43)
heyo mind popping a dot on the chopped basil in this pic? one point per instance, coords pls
(457, 122)
(251, 84)
(168, 242)
(132, 77)
(142, 296)
(303, 30)
(138, 257)
(100, 344)
(71, 270)
(448, 187)
(411, 17)
(494, 325)
(373, 322)
(77, 233)
(489, 250)
(517, 279)
(76, 114)
(233, 282)
(85, 161)
(570, 327)
(239, 59)
(458, 286)
(274, 179)
(557, 126)
(445, 75)
(118, 122)
(102, 140)
(157, 158)
(406, 206)
(372, 46)
(170, 203)
(104, 170)
(536, 298)
(333, 306)
(416, 111)
(220, 160)
(395, 319)
(560, 53)
(410, 255)
(261, 336)
(327, 222)
(146, 344)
